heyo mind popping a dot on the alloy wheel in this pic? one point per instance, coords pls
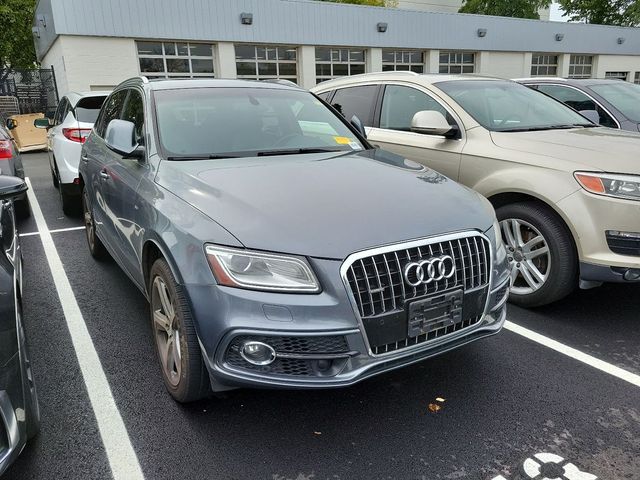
(167, 331)
(528, 254)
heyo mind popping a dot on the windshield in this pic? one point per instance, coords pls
(235, 122)
(502, 106)
(88, 108)
(622, 95)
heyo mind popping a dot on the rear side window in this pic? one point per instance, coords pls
(112, 109)
(87, 109)
(61, 111)
(578, 101)
(400, 104)
(357, 101)
(325, 95)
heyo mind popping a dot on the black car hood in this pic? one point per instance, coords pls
(325, 205)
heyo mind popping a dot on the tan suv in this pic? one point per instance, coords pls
(566, 192)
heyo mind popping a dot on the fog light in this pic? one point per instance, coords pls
(632, 274)
(257, 353)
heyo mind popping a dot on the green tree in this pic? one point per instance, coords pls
(603, 12)
(373, 3)
(505, 8)
(16, 40)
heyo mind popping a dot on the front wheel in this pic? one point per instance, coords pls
(183, 370)
(541, 254)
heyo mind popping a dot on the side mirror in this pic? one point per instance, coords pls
(11, 124)
(430, 122)
(120, 137)
(355, 121)
(41, 123)
(592, 115)
(11, 187)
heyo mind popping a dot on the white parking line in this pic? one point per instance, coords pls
(58, 230)
(122, 458)
(590, 360)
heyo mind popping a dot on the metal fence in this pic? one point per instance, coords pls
(34, 90)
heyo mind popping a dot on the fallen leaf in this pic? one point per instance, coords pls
(318, 433)
(434, 407)
(440, 399)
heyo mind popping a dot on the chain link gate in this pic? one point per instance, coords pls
(34, 91)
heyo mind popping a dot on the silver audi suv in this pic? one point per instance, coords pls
(275, 245)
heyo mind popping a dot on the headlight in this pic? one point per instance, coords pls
(261, 271)
(611, 185)
(501, 251)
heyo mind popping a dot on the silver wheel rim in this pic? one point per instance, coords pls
(528, 254)
(167, 331)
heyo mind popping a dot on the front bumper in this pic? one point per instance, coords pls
(590, 217)
(327, 318)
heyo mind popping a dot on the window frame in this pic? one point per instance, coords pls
(461, 64)
(277, 62)
(402, 52)
(608, 76)
(134, 90)
(374, 104)
(332, 63)
(636, 78)
(99, 129)
(164, 57)
(544, 64)
(591, 97)
(581, 65)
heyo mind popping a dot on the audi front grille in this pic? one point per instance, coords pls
(401, 306)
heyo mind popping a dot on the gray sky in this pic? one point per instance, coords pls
(556, 13)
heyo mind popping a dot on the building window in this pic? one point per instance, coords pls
(175, 59)
(580, 66)
(259, 62)
(338, 62)
(636, 78)
(457, 62)
(617, 75)
(403, 60)
(544, 65)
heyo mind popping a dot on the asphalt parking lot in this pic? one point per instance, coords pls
(494, 403)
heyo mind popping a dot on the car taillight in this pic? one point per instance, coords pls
(76, 134)
(5, 149)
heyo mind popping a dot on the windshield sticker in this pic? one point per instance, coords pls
(355, 146)
(342, 140)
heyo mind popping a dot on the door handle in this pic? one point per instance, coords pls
(85, 159)
(104, 174)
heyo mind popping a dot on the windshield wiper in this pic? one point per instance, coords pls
(296, 151)
(201, 157)
(537, 129)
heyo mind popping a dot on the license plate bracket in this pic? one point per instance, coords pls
(435, 312)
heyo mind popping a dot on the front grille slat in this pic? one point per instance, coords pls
(380, 289)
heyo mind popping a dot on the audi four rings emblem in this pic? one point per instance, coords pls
(431, 270)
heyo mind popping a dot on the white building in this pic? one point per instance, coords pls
(95, 44)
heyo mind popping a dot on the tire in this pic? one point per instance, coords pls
(22, 208)
(556, 268)
(183, 371)
(70, 205)
(54, 179)
(32, 407)
(96, 247)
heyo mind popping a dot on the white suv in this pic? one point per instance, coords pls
(68, 130)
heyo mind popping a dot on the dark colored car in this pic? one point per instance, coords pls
(609, 102)
(19, 412)
(11, 164)
(277, 248)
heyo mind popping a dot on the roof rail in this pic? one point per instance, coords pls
(281, 81)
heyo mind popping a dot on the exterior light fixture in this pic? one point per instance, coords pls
(35, 31)
(620, 40)
(482, 32)
(246, 18)
(559, 37)
(382, 27)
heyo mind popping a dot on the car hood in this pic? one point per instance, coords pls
(325, 205)
(603, 149)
